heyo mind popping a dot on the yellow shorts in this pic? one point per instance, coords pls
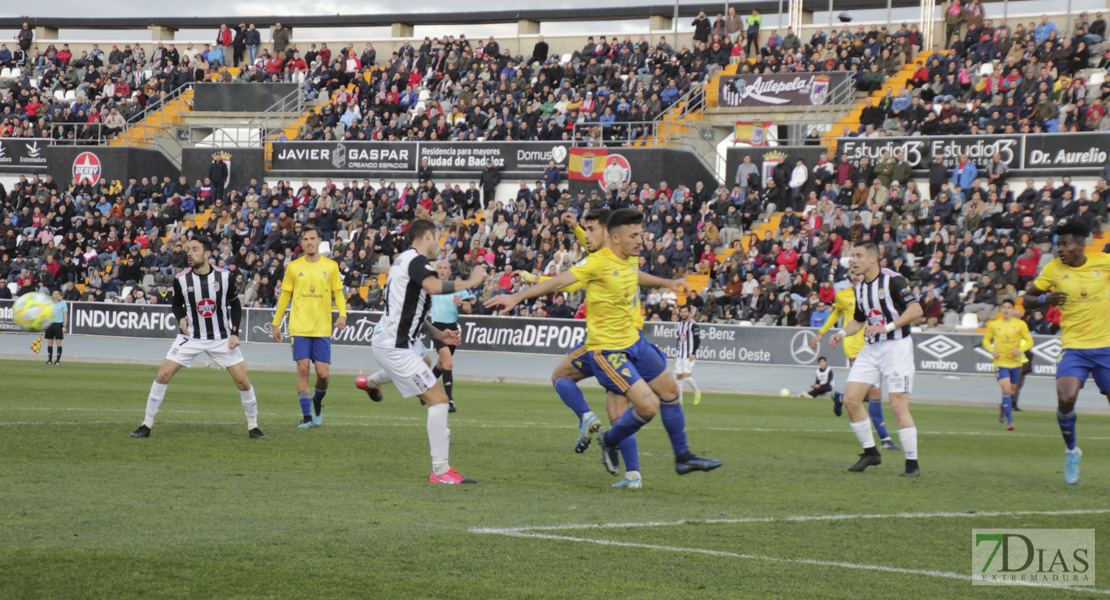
(853, 345)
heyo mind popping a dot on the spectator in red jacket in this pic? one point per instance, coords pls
(826, 293)
(1027, 265)
(788, 258)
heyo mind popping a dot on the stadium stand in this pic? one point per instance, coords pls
(765, 254)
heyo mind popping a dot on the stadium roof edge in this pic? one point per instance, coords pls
(613, 13)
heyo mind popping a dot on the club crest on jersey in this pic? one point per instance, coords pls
(882, 294)
(581, 263)
(876, 317)
(206, 308)
(216, 286)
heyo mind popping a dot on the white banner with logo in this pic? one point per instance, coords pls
(957, 353)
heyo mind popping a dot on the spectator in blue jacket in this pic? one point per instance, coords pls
(1045, 30)
(821, 314)
(669, 94)
(965, 173)
(552, 175)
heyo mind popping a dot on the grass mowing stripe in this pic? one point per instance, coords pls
(793, 519)
(800, 561)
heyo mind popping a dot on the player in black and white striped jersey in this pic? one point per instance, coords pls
(208, 313)
(397, 346)
(885, 306)
(689, 339)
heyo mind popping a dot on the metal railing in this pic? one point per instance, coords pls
(841, 94)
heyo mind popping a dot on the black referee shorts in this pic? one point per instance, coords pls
(443, 327)
(55, 332)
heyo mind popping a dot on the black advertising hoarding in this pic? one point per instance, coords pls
(781, 89)
(26, 155)
(344, 157)
(239, 97)
(919, 151)
(1048, 153)
(123, 320)
(471, 157)
(7, 325)
(1067, 151)
(954, 353)
(403, 157)
(243, 164)
(734, 157)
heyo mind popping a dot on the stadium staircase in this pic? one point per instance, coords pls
(155, 122)
(896, 84)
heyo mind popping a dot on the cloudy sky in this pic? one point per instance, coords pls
(236, 9)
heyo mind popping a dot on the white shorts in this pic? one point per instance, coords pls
(185, 349)
(407, 369)
(684, 366)
(891, 360)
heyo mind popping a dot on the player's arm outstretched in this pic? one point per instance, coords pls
(508, 301)
(837, 312)
(675, 285)
(434, 285)
(450, 337)
(1038, 294)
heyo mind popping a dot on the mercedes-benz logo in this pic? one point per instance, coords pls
(801, 349)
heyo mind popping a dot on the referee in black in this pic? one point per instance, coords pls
(445, 315)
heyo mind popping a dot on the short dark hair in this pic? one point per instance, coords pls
(1008, 301)
(418, 228)
(601, 215)
(307, 227)
(1072, 228)
(623, 217)
(822, 358)
(204, 241)
(871, 247)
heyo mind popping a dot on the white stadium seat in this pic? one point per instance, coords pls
(969, 321)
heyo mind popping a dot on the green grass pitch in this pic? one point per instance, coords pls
(201, 511)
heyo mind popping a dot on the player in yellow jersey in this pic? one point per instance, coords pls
(310, 283)
(1080, 287)
(574, 368)
(1004, 339)
(844, 305)
(623, 361)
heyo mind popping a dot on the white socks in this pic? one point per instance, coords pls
(439, 438)
(379, 379)
(862, 430)
(250, 407)
(153, 401)
(908, 437)
(693, 384)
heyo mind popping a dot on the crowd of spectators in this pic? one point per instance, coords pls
(965, 246)
(966, 236)
(992, 78)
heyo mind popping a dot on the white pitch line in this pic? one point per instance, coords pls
(800, 561)
(788, 519)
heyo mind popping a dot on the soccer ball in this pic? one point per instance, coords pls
(34, 311)
(784, 392)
